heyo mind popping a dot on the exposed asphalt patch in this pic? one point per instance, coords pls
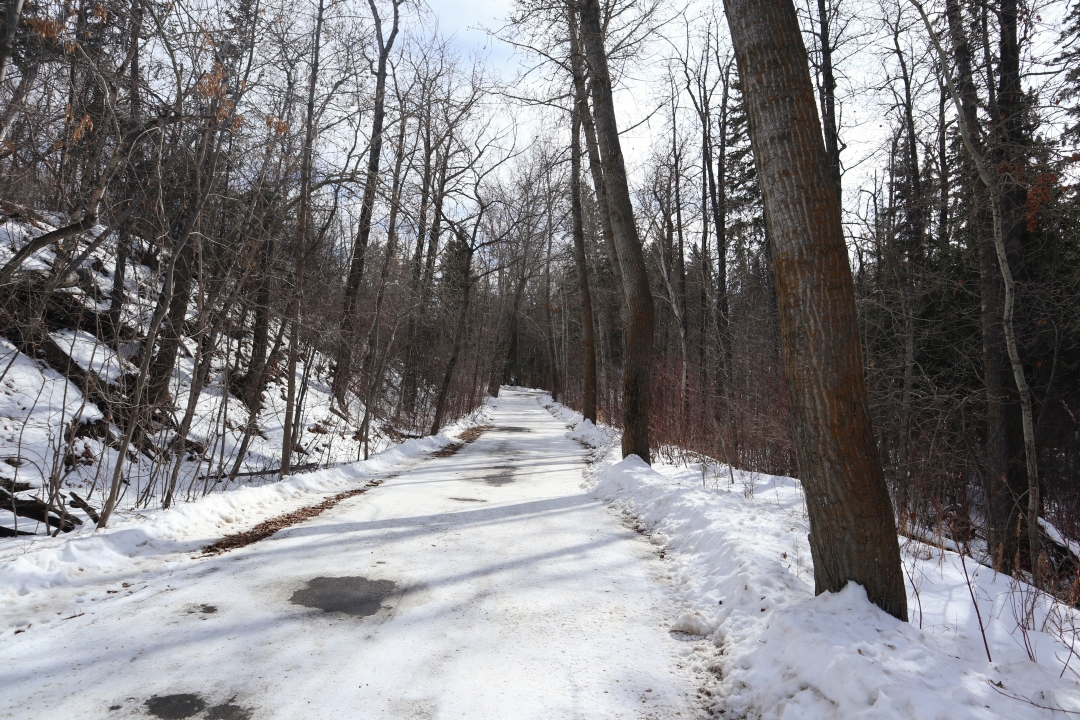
(468, 499)
(186, 705)
(505, 477)
(268, 527)
(228, 711)
(204, 609)
(175, 707)
(350, 595)
(514, 429)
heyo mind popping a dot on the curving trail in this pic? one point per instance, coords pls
(485, 584)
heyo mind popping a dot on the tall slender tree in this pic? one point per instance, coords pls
(641, 315)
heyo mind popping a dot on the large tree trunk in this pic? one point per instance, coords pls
(852, 527)
(161, 369)
(641, 315)
(119, 289)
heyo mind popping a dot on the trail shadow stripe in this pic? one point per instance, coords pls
(268, 527)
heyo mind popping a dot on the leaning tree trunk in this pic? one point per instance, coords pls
(852, 527)
(581, 103)
(641, 315)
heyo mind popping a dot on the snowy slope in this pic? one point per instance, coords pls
(741, 564)
(40, 410)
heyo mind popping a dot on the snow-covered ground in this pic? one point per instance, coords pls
(740, 562)
(494, 583)
(484, 584)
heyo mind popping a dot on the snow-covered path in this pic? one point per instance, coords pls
(486, 584)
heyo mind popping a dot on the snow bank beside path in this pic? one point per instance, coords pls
(739, 559)
(30, 569)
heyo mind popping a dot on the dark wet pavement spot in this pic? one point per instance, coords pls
(505, 476)
(351, 595)
(228, 711)
(513, 429)
(204, 609)
(175, 707)
(468, 499)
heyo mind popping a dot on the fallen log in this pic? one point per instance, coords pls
(36, 510)
(8, 532)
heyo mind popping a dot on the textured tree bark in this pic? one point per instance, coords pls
(260, 340)
(641, 315)
(852, 527)
(588, 335)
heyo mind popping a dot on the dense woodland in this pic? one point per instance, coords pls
(331, 188)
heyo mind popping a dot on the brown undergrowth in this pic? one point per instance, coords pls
(268, 527)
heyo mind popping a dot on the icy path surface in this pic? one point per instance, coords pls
(487, 584)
